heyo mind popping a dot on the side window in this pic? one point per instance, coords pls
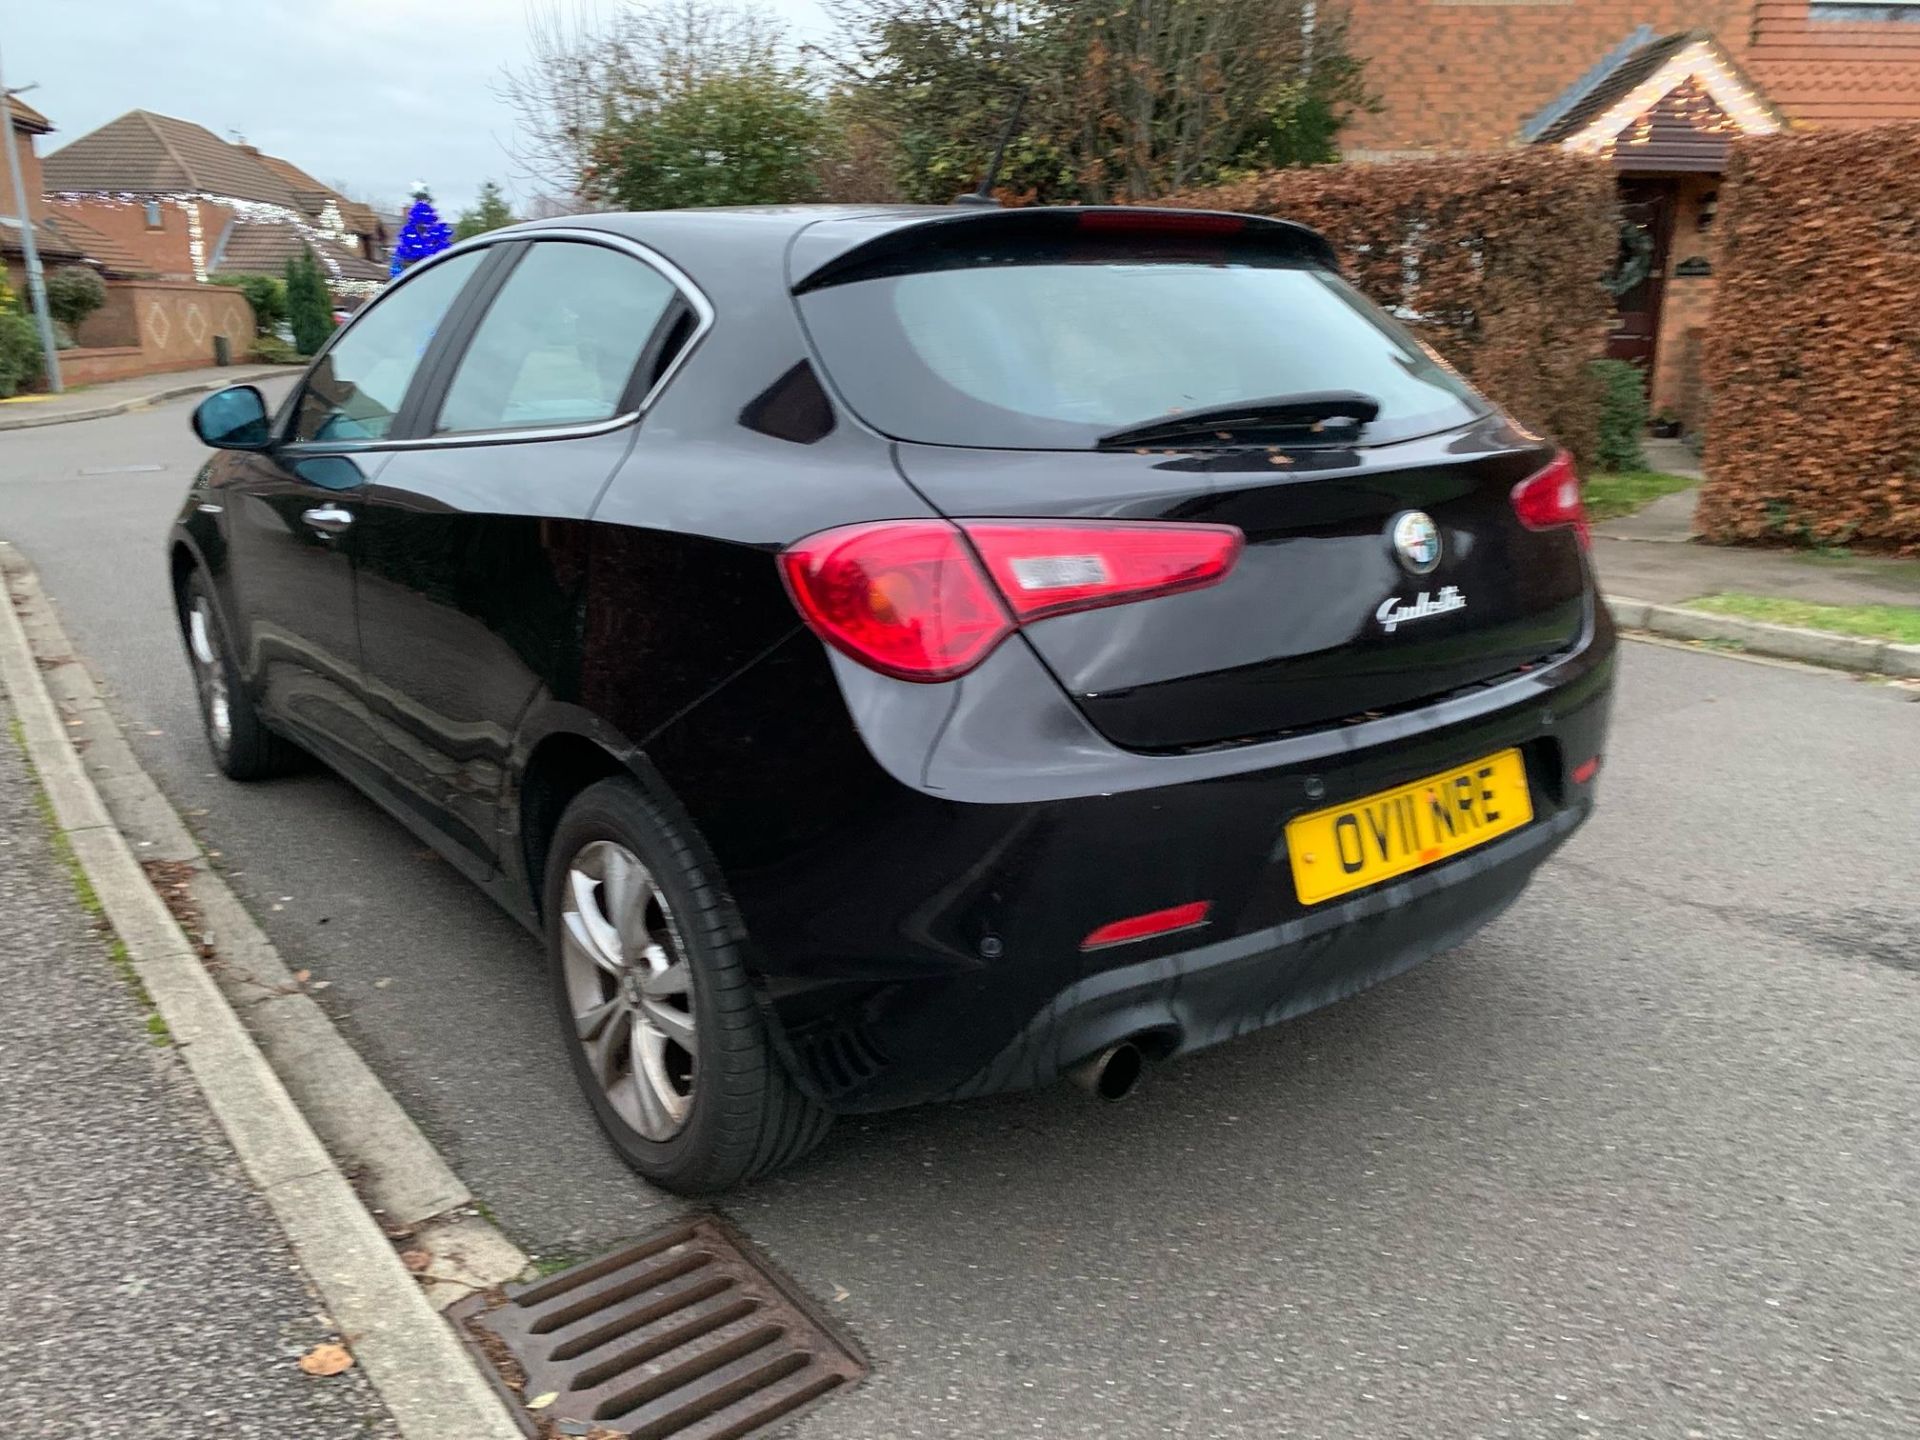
(559, 342)
(354, 393)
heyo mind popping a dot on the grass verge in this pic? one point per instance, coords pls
(83, 890)
(1610, 496)
(1898, 623)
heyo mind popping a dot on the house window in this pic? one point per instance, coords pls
(1877, 11)
(154, 222)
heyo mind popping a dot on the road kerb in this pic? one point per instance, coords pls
(429, 1383)
(1812, 647)
(396, 1168)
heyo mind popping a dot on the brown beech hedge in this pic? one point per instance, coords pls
(1813, 353)
(1497, 261)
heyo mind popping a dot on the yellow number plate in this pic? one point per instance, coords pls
(1365, 841)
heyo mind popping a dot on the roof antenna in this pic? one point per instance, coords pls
(984, 195)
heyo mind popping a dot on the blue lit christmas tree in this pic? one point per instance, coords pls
(424, 234)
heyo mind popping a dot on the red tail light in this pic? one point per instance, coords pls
(903, 596)
(910, 597)
(1551, 499)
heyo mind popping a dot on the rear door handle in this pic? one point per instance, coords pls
(328, 519)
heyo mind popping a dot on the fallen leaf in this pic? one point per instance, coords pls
(383, 982)
(415, 1260)
(540, 1402)
(840, 1292)
(326, 1359)
(302, 976)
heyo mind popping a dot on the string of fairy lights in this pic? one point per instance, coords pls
(1716, 100)
(258, 212)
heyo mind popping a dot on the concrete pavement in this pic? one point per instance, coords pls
(1648, 555)
(115, 397)
(1637, 1160)
(144, 1288)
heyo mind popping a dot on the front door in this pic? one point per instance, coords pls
(292, 580)
(291, 511)
(1639, 279)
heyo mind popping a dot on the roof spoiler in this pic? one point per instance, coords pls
(942, 240)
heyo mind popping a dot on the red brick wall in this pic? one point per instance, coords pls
(1466, 74)
(1686, 303)
(172, 323)
(23, 147)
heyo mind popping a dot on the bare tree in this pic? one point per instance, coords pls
(1123, 99)
(589, 70)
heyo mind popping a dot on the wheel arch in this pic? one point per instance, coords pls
(182, 561)
(559, 754)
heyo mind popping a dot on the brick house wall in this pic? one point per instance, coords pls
(29, 157)
(1465, 74)
(164, 251)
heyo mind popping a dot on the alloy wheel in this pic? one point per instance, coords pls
(216, 705)
(629, 988)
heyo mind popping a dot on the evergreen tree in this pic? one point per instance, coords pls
(489, 212)
(309, 306)
(424, 234)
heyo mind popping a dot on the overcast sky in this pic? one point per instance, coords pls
(368, 94)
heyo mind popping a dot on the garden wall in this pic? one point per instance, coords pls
(1497, 261)
(1813, 354)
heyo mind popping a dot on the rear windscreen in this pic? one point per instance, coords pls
(1053, 352)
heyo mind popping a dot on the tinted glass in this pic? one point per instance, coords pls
(559, 342)
(356, 389)
(1056, 353)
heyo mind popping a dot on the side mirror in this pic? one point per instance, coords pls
(232, 419)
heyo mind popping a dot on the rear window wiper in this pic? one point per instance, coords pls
(1308, 411)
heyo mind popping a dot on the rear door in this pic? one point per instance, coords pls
(999, 364)
(472, 542)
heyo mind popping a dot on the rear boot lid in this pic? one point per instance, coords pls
(1166, 366)
(1322, 619)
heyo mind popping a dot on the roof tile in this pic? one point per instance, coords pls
(27, 118)
(264, 247)
(94, 244)
(1833, 73)
(314, 195)
(144, 154)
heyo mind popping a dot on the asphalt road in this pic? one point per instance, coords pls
(1640, 1159)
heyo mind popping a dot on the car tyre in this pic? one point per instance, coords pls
(649, 978)
(244, 746)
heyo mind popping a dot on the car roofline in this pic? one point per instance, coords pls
(809, 241)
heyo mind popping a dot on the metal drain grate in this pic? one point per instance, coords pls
(681, 1335)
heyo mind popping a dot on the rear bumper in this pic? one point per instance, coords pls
(916, 883)
(1200, 997)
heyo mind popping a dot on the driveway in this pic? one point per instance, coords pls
(1640, 1158)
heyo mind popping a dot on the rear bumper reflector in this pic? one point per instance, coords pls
(1154, 922)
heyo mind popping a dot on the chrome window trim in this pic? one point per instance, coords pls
(646, 254)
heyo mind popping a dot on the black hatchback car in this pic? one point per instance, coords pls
(902, 654)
